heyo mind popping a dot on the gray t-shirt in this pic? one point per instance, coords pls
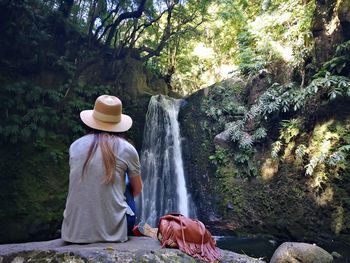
(96, 212)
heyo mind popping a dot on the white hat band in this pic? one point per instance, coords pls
(106, 118)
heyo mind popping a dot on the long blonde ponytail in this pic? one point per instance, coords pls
(103, 140)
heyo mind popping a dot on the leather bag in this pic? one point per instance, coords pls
(189, 235)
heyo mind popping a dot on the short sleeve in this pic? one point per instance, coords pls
(132, 161)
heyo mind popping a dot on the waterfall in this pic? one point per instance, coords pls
(164, 185)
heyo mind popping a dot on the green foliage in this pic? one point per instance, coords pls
(300, 151)
(291, 97)
(33, 113)
(245, 163)
(265, 32)
(251, 36)
(330, 79)
(221, 157)
(249, 61)
(68, 66)
(340, 60)
(155, 68)
(290, 129)
(326, 85)
(35, 133)
(32, 191)
(340, 153)
(26, 110)
(327, 153)
(236, 121)
(276, 148)
(234, 163)
(228, 109)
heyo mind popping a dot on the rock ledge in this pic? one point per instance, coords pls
(137, 249)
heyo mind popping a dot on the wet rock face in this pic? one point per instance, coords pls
(137, 249)
(197, 146)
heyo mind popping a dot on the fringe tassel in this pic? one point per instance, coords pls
(169, 237)
(207, 251)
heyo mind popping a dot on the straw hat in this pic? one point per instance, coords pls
(107, 115)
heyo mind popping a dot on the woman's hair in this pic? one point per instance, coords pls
(102, 140)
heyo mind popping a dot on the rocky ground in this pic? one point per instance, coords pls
(137, 249)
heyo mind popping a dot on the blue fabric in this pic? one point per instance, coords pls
(131, 202)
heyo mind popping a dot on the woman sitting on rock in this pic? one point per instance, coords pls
(97, 209)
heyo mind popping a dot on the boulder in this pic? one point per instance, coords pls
(300, 252)
(137, 249)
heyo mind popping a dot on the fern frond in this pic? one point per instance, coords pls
(276, 147)
(300, 151)
(246, 141)
(259, 133)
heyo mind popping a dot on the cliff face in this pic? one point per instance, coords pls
(197, 148)
(251, 192)
(280, 200)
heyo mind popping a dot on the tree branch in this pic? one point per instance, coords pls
(144, 26)
(121, 17)
(169, 32)
(102, 24)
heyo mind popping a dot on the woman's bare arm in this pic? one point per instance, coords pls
(136, 185)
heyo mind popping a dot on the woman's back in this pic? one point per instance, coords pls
(96, 211)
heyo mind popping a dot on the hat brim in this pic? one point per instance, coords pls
(122, 126)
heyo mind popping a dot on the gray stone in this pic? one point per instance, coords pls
(290, 252)
(223, 140)
(137, 249)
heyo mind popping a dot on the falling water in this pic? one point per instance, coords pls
(162, 170)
